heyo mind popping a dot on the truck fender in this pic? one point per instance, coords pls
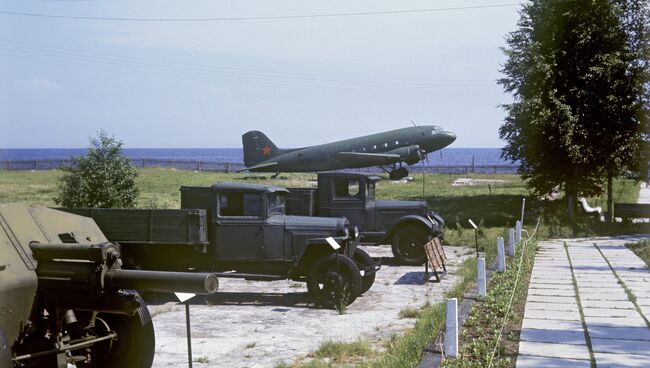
(309, 254)
(410, 219)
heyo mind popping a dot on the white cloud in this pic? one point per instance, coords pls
(38, 84)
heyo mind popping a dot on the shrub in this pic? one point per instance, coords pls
(102, 178)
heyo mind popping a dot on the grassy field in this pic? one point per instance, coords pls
(495, 207)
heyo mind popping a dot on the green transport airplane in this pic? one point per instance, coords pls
(388, 150)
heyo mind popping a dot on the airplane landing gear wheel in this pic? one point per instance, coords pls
(398, 174)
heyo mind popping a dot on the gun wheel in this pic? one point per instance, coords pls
(408, 244)
(135, 342)
(334, 281)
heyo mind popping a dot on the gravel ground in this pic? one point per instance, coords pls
(262, 324)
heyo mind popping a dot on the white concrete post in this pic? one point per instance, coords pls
(511, 238)
(518, 232)
(451, 329)
(510, 250)
(501, 256)
(482, 290)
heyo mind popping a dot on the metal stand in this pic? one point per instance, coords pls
(189, 334)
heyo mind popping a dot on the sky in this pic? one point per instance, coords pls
(200, 83)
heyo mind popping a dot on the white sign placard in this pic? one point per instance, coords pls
(473, 224)
(333, 243)
(184, 296)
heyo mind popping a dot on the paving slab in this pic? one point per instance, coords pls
(607, 360)
(527, 361)
(553, 336)
(621, 347)
(550, 350)
(552, 292)
(645, 310)
(609, 312)
(633, 321)
(551, 306)
(622, 333)
(551, 280)
(546, 324)
(552, 299)
(553, 314)
(616, 304)
(544, 285)
(600, 295)
(643, 301)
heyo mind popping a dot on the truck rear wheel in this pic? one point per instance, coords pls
(334, 281)
(135, 344)
(408, 244)
(5, 351)
(363, 259)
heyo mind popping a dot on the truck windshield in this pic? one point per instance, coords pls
(276, 204)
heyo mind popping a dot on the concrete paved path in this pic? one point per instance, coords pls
(588, 305)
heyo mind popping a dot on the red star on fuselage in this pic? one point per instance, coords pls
(266, 150)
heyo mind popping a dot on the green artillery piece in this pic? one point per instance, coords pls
(64, 298)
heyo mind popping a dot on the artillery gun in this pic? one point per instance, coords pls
(64, 298)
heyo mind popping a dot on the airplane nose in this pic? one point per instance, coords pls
(447, 137)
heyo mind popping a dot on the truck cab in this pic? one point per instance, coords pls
(248, 225)
(405, 224)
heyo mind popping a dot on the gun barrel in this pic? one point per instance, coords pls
(162, 281)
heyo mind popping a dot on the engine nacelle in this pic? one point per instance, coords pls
(410, 154)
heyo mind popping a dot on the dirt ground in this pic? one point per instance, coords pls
(262, 324)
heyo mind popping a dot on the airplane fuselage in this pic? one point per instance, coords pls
(386, 148)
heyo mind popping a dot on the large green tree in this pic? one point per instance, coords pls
(102, 178)
(579, 74)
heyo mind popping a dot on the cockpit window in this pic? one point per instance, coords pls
(276, 204)
(435, 131)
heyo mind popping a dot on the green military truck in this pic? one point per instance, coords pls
(242, 231)
(407, 225)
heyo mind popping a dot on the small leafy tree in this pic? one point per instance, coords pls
(102, 178)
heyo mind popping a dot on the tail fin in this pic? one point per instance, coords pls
(258, 147)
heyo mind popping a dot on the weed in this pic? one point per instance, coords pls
(341, 351)
(251, 345)
(202, 359)
(409, 313)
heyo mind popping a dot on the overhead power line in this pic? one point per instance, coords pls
(220, 74)
(271, 17)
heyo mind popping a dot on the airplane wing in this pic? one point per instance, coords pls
(265, 165)
(369, 158)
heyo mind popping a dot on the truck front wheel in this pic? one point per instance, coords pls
(408, 244)
(364, 261)
(334, 281)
